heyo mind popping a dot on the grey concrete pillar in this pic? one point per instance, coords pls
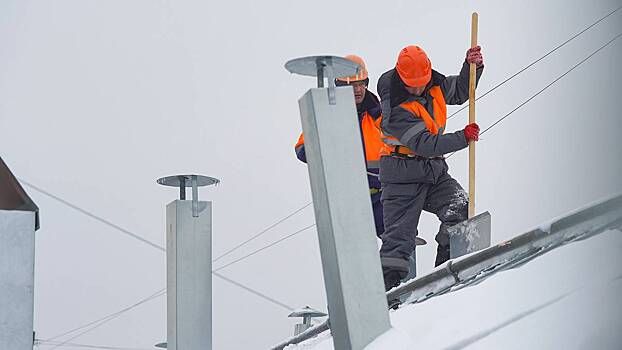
(17, 265)
(19, 219)
(356, 300)
(189, 275)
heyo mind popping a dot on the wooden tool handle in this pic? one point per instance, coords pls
(472, 73)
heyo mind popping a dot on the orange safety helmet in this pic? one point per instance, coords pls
(414, 67)
(362, 75)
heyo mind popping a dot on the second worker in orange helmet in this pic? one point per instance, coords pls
(369, 118)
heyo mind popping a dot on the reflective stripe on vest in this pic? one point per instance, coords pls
(434, 125)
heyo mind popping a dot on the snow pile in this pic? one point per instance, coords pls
(568, 298)
(393, 339)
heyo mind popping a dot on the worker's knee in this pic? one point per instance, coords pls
(457, 209)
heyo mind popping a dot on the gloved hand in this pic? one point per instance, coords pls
(471, 132)
(474, 55)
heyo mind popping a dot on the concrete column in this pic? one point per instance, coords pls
(357, 304)
(17, 274)
(189, 275)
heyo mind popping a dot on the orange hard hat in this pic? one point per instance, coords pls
(362, 75)
(414, 67)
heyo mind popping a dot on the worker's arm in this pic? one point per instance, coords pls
(456, 87)
(411, 131)
(300, 149)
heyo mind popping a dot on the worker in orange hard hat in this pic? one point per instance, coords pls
(413, 171)
(369, 118)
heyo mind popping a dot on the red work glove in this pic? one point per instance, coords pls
(474, 55)
(471, 132)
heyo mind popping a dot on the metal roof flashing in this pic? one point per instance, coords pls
(12, 194)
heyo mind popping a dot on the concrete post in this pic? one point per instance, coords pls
(19, 219)
(188, 275)
(356, 300)
(189, 266)
(357, 304)
(17, 272)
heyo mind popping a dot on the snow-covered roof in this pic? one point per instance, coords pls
(567, 298)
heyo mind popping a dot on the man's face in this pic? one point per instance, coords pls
(359, 91)
(415, 90)
(359, 87)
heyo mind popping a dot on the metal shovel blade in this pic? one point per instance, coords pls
(470, 236)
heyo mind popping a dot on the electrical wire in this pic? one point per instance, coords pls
(274, 301)
(113, 315)
(96, 324)
(100, 322)
(260, 233)
(87, 346)
(538, 60)
(263, 248)
(93, 216)
(138, 237)
(544, 88)
(551, 83)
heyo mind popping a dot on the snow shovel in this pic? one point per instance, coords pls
(474, 234)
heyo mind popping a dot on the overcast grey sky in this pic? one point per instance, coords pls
(100, 98)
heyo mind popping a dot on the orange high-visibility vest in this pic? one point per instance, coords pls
(434, 125)
(371, 138)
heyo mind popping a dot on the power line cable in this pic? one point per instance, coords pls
(264, 248)
(260, 233)
(274, 301)
(99, 322)
(113, 315)
(88, 346)
(538, 60)
(93, 216)
(136, 236)
(108, 319)
(546, 87)
(551, 83)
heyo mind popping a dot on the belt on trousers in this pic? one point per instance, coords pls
(410, 154)
(414, 156)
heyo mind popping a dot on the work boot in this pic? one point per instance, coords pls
(442, 254)
(392, 279)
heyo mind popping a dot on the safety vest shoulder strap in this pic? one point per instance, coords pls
(434, 124)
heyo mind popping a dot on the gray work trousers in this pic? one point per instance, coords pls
(403, 203)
